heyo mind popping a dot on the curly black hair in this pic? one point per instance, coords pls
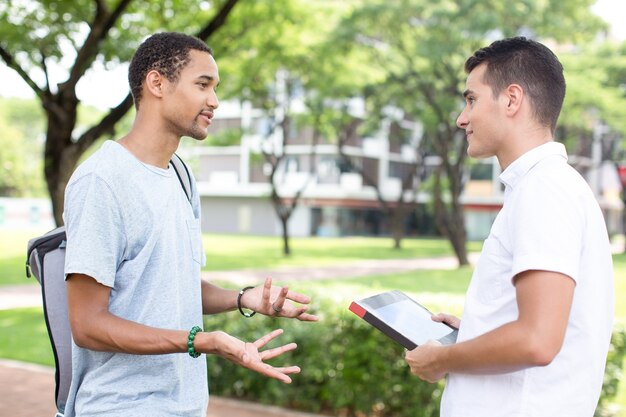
(166, 52)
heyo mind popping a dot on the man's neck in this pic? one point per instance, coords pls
(522, 143)
(148, 143)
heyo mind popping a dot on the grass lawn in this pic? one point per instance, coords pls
(231, 252)
(13, 255)
(23, 336)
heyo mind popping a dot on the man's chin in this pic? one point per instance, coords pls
(197, 135)
(477, 154)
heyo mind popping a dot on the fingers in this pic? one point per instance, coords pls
(280, 373)
(259, 365)
(307, 317)
(279, 303)
(447, 318)
(289, 369)
(259, 343)
(272, 353)
(273, 373)
(298, 298)
(267, 289)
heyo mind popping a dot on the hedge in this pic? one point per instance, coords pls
(348, 368)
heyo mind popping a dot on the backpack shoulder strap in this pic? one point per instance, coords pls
(182, 172)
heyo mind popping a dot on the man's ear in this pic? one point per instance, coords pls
(154, 83)
(514, 96)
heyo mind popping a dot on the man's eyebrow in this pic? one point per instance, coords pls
(467, 93)
(207, 78)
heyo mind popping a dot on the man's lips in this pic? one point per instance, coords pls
(206, 116)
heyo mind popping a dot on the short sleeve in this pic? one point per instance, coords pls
(95, 230)
(547, 226)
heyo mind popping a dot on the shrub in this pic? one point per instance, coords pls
(613, 372)
(348, 368)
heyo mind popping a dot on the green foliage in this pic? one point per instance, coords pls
(619, 266)
(20, 161)
(227, 137)
(22, 123)
(347, 368)
(596, 92)
(420, 46)
(614, 364)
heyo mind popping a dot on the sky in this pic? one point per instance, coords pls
(107, 88)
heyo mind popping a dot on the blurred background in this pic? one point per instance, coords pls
(337, 121)
(337, 118)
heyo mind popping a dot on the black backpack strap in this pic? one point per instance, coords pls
(182, 172)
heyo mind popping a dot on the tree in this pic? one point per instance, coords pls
(275, 68)
(36, 36)
(21, 173)
(421, 46)
(593, 120)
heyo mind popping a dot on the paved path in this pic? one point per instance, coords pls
(29, 295)
(28, 390)
(341, 271)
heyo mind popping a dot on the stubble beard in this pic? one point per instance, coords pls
(196, 132)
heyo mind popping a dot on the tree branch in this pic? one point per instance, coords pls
(106, 124)
(10, 61)
(217, 21)
(102, 24)
(44, 67)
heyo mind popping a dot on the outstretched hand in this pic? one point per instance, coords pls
(278, 302)
(249, 355)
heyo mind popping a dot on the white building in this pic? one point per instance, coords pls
(235, 192)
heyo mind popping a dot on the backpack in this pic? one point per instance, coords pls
(45, 260)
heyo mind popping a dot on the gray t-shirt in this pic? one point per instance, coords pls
(131, 228)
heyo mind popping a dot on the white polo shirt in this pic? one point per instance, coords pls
(550, 221)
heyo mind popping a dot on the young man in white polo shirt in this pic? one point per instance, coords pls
(537, 320)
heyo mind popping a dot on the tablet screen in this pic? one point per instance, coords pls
(408, 317)
(411, 320)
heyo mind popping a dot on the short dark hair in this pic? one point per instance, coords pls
(166, 52)
(527, 63)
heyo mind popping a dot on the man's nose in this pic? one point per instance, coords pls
(212, 101)
(462, 121)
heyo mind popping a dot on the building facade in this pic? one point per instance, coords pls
(335, 199)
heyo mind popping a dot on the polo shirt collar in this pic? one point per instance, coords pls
(516, 171)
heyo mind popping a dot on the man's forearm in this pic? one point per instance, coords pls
(217, 300)
(508, 348)
(114, 334)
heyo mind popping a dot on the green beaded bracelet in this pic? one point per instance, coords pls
(190, 339)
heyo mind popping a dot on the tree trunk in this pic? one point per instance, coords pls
(397, 223)
(60, 153)
(63, 150)
(284, 223)
(450, 221)
(458, 236)
(59, 168)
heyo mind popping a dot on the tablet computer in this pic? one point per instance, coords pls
(403, 319)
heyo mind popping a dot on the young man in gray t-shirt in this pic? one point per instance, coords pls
(134, 255)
